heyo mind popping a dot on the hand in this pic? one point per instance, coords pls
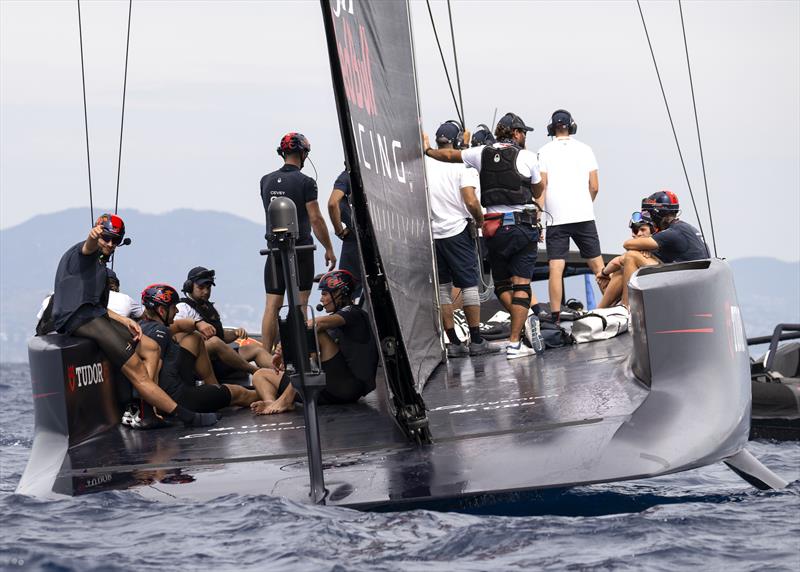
(96, 233)
(467, 137)
(241, 333)
(344, 233)
(134, 329)
(426, 143)
(277, 360)
(330, 259)
(602, 281)
(205, 329)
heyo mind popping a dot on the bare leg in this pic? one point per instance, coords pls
(595, 264)
(613, 291)
(473, 314)
(447, 316)
(256, 353)
(634, 260)
(518, 313)
(135, 370)
(269, 321)
(150, 353)
(266, 383)
(327, 347)
(241, 396)
(555, 287)
(227, 355)
(202, 365)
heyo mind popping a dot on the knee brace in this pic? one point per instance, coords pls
(470, 296)
(445, 294)
(519, 300)
(501, 287)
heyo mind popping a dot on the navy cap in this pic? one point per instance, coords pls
(513, 121)
(200, 275)
(447, 132)
(561, 117)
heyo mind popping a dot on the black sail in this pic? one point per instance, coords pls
(372, 66)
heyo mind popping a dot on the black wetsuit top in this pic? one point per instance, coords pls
(80, 291)
(680, 242)
(289, 182)
(357, 345)
(170, 377)
(209, 314)
(343, 184)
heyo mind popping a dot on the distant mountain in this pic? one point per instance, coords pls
(166, 246)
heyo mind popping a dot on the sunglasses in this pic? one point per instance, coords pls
(113, 239)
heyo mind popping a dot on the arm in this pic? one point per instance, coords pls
(91, 245)
(233, 334)
(329, 322)
(473, 204)
(594, 184)
(132, 326)
(640, 244)
(335, 214)
(538, 192)
(446, 155)
(321, 232)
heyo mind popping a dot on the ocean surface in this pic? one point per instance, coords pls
(705, 519)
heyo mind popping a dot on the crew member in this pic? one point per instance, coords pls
(348, 352)
(342, 221)
(569, 174)
(610, 278)
(180, 362)
(510, 182)
(289, 182)
(482, 136)
(80, 303)
(675, 241)
(197, 306)
(119, 302)
(454, 207)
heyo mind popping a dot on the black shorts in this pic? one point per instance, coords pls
(456, 260)
(513, 251)
(583, 234)
(305, 273)
(114, 339)
(340, 385)
(205, 398)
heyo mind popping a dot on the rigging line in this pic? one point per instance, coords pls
(85, 114)
(446, 73)
(455, 59)
(122, 116)
(671, 122)
(697, 126)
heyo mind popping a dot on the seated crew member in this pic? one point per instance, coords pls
(453, 202)
(342, 221)
(675, 241)
(510, 182)
(197, 306)
(349, 354)
(569, 175)
(180, 362)
(289, 182)
(121, 303)
(80, 303)
(609, 279)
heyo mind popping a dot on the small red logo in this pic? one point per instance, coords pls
(71, 377)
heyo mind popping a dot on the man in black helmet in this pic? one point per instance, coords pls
(510, 183)
(289, 182)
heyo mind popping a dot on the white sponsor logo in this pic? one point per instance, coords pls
(89, 374)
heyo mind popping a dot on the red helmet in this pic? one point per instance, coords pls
(338, 281)
(113, 227)
(159, 295)
(661, 204)
(294, 143)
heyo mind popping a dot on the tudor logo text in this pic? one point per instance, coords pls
(84, 375)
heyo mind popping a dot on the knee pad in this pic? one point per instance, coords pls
(470, 296)
(519, 300)
(445, 294)
(501, 287)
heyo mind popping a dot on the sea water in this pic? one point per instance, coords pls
(706, 519)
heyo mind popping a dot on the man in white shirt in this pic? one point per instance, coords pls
(510, 182)
(453, 202)
(569, 174)
(121, 303)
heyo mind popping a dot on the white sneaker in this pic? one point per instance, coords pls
(518, 350)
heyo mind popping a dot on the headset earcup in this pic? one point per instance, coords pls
(573, 128)
(187, 287)
(551, 132)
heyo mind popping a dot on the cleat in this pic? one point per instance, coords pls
(518, 350)
(482, 348)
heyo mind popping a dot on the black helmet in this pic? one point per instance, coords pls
(293, 142)
(338, 281)
(482, 136)
(661, 204)
(159, 295)
(113, 227)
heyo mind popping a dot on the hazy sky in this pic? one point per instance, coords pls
(213, 85)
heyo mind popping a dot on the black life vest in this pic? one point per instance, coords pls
(209, 314)
(501, 183)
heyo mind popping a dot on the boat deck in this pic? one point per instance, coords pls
(497, 425)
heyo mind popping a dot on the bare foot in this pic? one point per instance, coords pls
(278, 406)
(259, 407)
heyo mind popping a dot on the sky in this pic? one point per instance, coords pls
(213, 85)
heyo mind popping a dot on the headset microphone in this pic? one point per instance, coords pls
(320, 307)
(125, 242)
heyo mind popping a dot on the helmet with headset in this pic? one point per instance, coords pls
(159, 295)
(482, 136)
(338, 283)
(451, 131)
(113, 228)
(294, 142)
(561, 118)
(661, 204)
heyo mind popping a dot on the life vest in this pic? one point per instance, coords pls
(209, 314)
(501, 183)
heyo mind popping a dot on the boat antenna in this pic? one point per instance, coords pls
(444, 64)
(85, 114)
(697, 126)
(455, 59)
(671, 122)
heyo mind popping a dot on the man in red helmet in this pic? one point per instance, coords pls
(347, 347)
(80, 301)
(674, 241)
(289, 182)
